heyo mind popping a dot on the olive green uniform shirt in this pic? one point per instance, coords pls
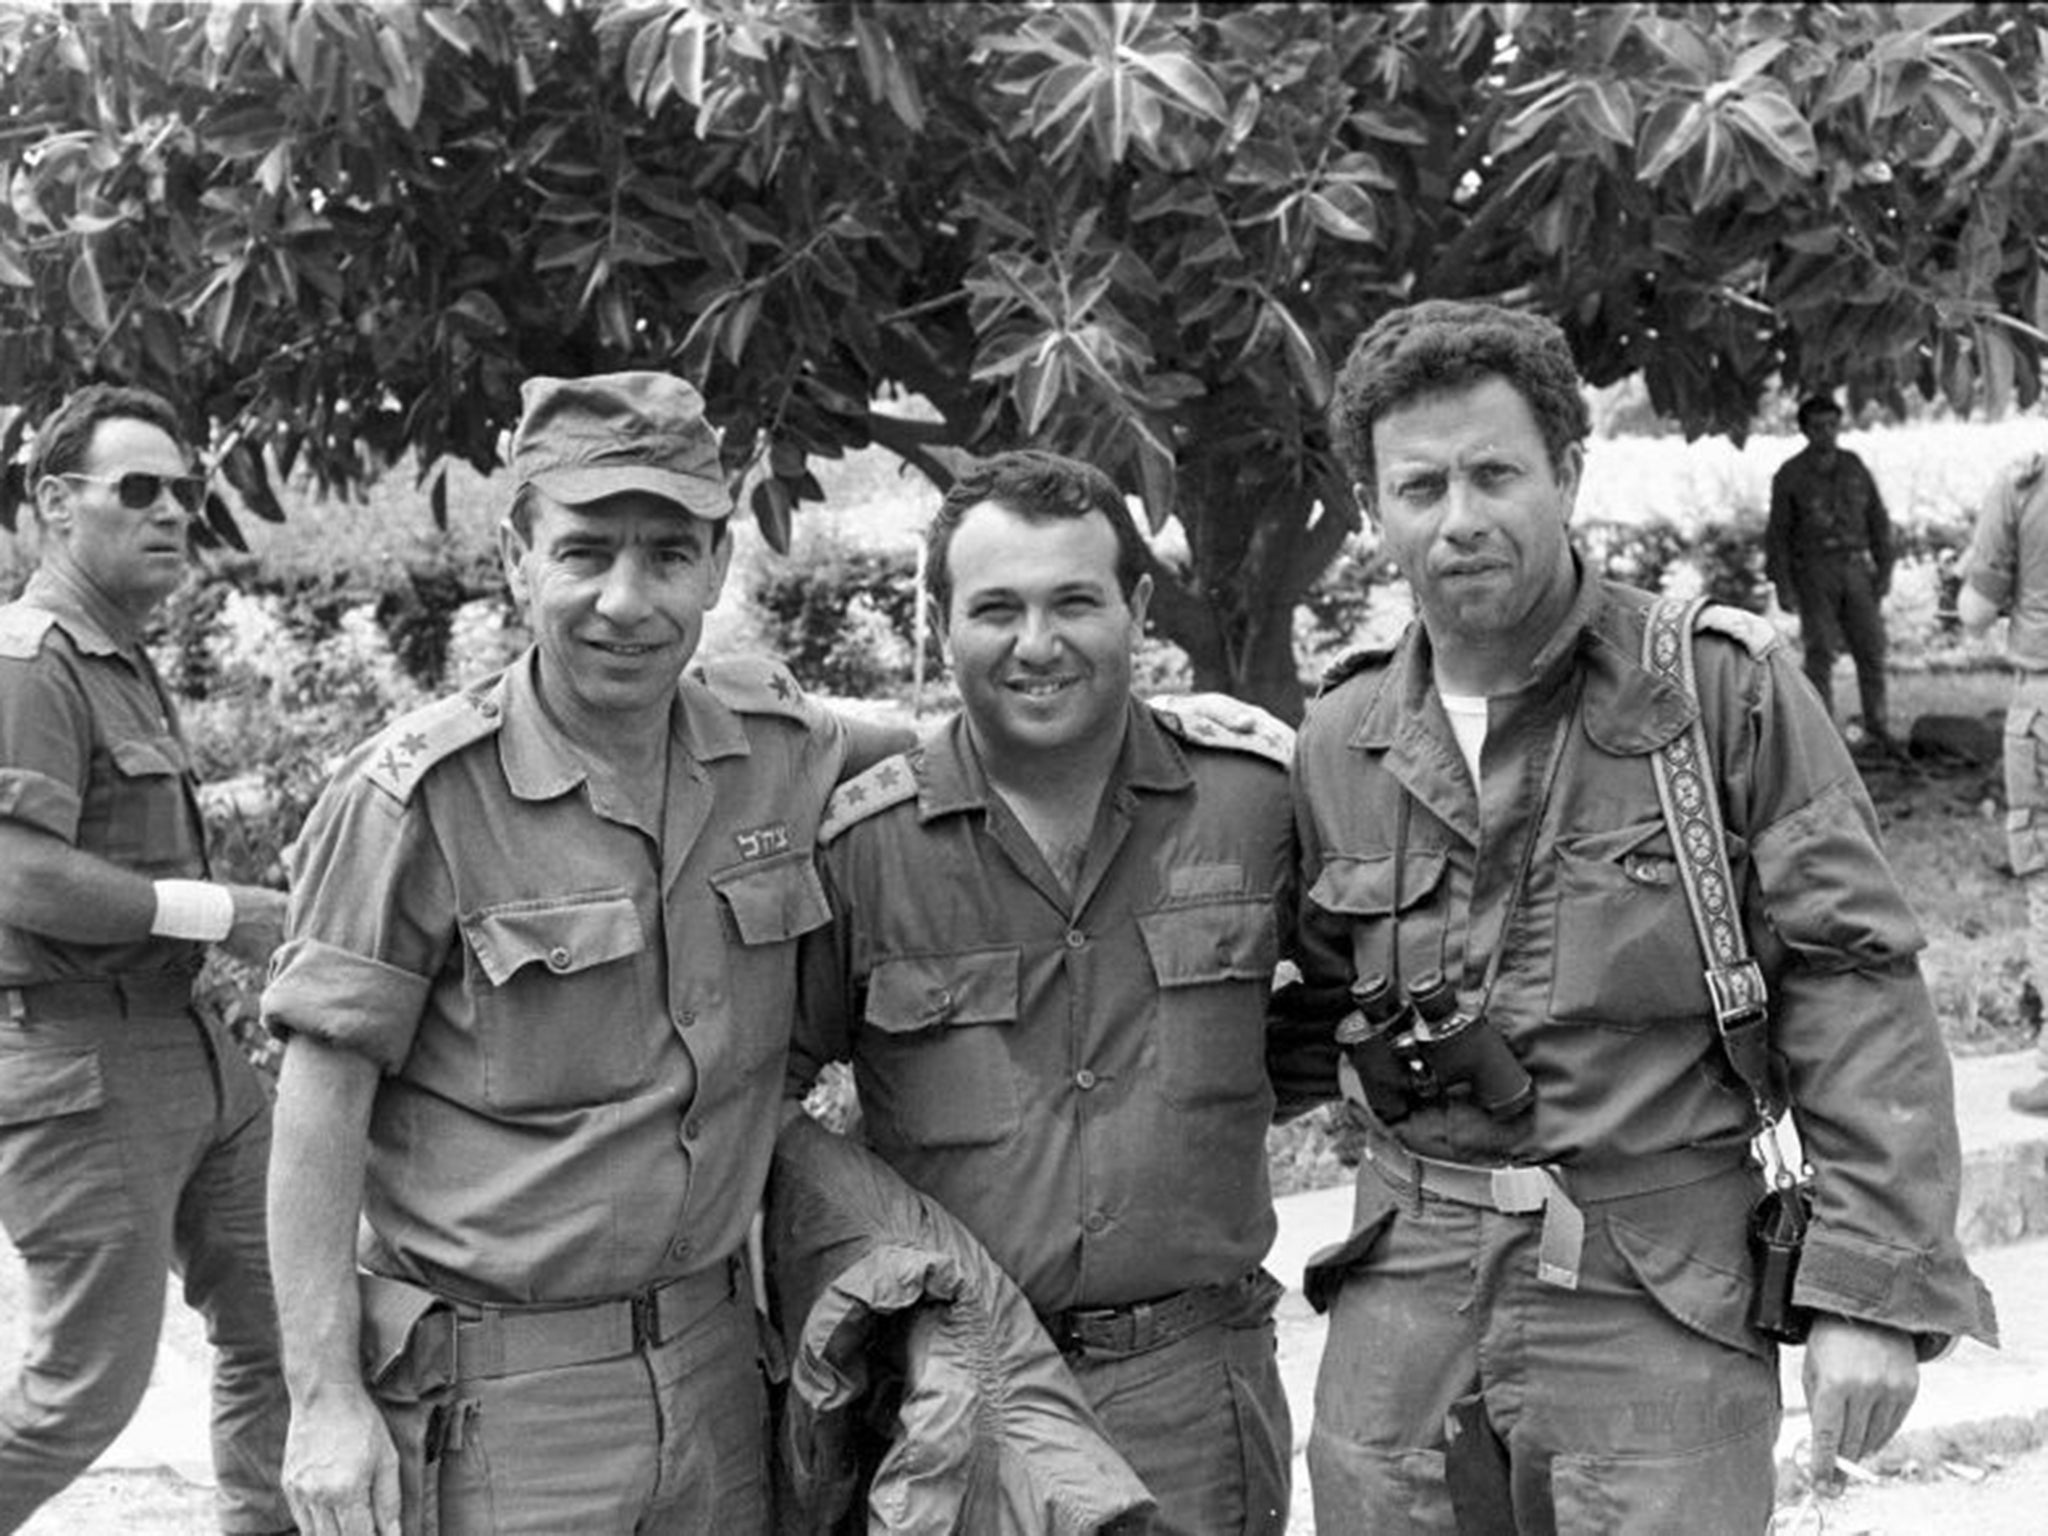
(540, 981)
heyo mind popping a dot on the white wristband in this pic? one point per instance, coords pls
(193, 909)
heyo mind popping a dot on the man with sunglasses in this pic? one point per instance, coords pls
(133, 1132)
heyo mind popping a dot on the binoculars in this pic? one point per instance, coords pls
(1419, 1046)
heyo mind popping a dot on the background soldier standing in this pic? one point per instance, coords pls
(133, 1132)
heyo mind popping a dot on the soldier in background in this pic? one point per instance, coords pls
(133, 1131)
(1828, 552)
(2005, 572)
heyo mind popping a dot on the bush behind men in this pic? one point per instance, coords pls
(133, 1133)
(1540, 1320)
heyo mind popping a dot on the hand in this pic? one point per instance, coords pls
(340, 1470)
(259, 923)
(1860, 1380)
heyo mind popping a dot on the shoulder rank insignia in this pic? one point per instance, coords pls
(22, 628)
(1751, 630)
(1270, 737)
(1351, 663)
(753, 685)
(399, 758)
(889, 782)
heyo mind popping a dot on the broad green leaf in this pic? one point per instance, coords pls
(88, 295)
(1343, 211)
(1608, 110)
(1766, 118)
(455, 29)
(1671, 129)
(1186, 81)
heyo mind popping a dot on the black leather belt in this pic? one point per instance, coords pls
(1137, 1326)
(147, 992)
(507, 1341)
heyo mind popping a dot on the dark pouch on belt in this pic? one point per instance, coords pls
(408, 1357)
(1777, 1231)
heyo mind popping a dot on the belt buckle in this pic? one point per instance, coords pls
(1519, 1190)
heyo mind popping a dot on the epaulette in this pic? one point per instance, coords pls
(1752, 630)
(1351, 663)
(753, 685)
(22, 628)
(889, 782)
(399, 758)
(1270, 738)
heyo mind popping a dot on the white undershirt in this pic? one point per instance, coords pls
(1468, 724)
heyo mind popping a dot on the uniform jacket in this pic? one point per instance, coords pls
(1820, 515)
(1600, 992)
(1082, 1078)
(2007, 561)
(583, 1031)
(917, 1368)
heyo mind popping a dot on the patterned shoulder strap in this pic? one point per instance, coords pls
(1692, 812)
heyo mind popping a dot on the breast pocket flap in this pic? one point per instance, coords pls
(773, 902)
(1366, 887)
(922, 992)
(139, 758)
(1213, 941)
(563, 936)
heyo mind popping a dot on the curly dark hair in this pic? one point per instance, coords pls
(1038, 487)
(1440, 345)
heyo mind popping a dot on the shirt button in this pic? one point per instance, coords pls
(692, 1128)
(558, 959)
(1076, 938)
(679, 1249)
(1096, 1222)
(685, 1017)
(1084, 1079)
(488, 709)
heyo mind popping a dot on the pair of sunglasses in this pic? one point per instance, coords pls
(139, 489)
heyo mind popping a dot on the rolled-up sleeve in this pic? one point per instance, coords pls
(372, 925)
(45, 746)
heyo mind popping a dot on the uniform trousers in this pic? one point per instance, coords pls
(1839, 609)
(1203, 1421)
(1576, 1411)
(2026, 816)
(133, 1142)
(669, 1440)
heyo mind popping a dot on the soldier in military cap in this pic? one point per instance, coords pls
(1057, 925)
(133, 1132)
(1543, 1318)
(536, 997)
(2005, 573)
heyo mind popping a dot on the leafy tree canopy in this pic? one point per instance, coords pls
(1142, 233)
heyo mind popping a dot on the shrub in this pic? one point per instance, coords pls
(843, 618)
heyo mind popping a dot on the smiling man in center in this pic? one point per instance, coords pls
(1057, 924)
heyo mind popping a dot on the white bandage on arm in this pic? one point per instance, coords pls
(193, 909)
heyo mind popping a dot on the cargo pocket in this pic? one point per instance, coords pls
(1624, 932)
(43, 1083)
(1724, 1485)
(769, 903)
(937, 1049)
(407, 1348)
(1362, 889)
(562, 1017)
(1328, 1268)
(2026, 777)
(1211, 954)
(1689, 1250)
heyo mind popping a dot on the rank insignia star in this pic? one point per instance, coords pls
(785, 690)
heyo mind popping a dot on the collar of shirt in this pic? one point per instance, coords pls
(540, 761)
(951, 778)
(1627, 710)
(94, 624)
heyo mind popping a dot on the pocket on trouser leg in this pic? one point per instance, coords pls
(1265, 1430)
(1358, 1491)
(1725, 1486)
